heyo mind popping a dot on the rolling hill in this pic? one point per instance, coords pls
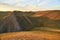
(26, 21)
(41, 25)
(52, 14)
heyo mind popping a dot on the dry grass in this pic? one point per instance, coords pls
(55, 14)
(35, 35)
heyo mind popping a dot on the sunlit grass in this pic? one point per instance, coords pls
(31, 35)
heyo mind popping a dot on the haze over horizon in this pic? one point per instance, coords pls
(29, 5)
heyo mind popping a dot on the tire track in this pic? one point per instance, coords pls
(9, 24)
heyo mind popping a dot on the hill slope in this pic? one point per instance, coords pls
(26, 21)
(54, 14)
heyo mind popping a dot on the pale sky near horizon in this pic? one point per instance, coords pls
(29, 5)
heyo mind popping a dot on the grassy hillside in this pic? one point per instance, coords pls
(50, 19)
(29, 20)
(42, 25)
(3, 14)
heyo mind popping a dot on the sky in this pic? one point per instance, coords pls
(29, 5)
